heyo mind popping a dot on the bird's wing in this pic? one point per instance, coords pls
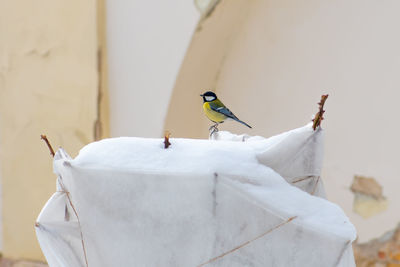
(217, 106)
(220, 108)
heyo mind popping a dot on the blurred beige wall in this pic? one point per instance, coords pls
(48, 85)
(147, 41)
(202, 66)
(271, 60)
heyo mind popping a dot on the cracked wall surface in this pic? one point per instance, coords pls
(48, 85)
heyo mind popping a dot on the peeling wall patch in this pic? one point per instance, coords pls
(368, 197)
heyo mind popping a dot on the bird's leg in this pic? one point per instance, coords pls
(215, 126)
(213, 129)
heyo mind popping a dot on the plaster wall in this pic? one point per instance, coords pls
(147, 41)
(48, 85)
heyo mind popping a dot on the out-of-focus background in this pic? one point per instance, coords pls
(79, 71)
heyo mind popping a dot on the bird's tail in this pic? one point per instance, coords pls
(242, 122)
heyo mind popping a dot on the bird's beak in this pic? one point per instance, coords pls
(201, 95)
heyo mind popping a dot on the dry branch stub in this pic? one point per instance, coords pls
(44, 137)
(319, 116)
(166, 139)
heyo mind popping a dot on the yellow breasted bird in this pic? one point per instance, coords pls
(216, 111)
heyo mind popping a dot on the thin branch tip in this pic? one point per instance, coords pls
(166, 139)
(44, 138)
(319, 116)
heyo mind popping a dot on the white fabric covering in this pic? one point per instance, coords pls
(296, 155)
(142, 205)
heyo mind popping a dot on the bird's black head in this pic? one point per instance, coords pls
(209, 96)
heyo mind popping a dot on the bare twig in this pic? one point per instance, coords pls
(248, 242)
(319, 116)
(166, 139)
(43, 137)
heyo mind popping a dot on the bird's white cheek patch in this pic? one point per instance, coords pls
(209, 98)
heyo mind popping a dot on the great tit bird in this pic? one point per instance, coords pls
(216, 111)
